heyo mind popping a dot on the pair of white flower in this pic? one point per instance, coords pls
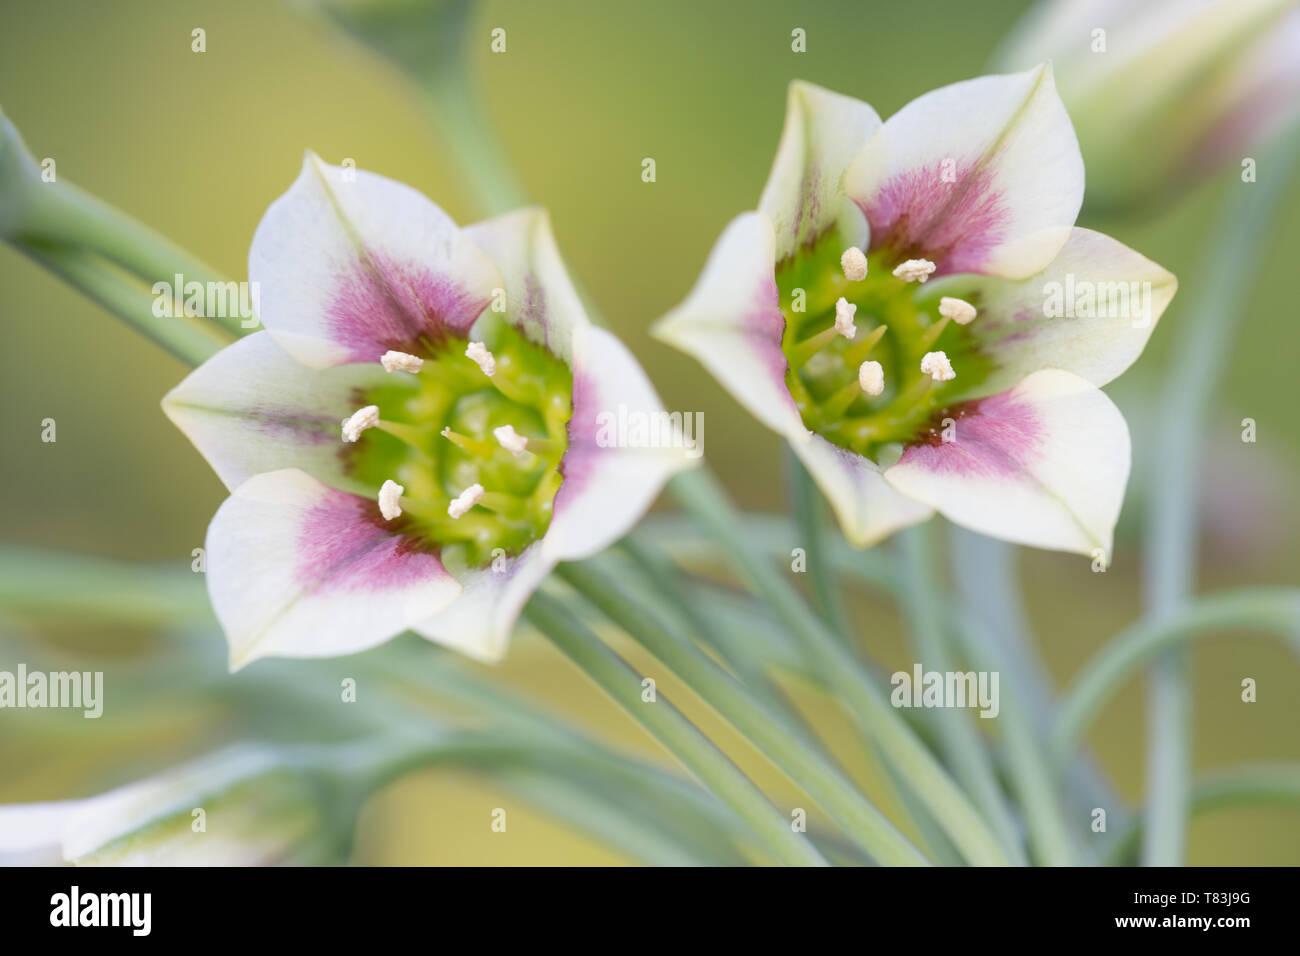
(978, 183)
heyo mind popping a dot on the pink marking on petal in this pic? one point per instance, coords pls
(344, 545)
(764, 327)
(384, 305)
(580, 457)
(995, 437)
(954, 223)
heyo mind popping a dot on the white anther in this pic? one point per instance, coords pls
(390, 503)
(959, 310)
(511, 440)
(937, 366)
(400, 362)
(854, 264)
(914, 270)
(360, 420)
(871, 376)
(844, 312)
(465, 500)
(482, 357)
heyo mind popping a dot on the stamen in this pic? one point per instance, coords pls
(931, 335)
(854, 264)
(858, 352)
(914, 270)
(511, 440)
(844, 311)
(871, 376)
(477, 447)
(394, 361)
(390, 495)
(359, 421)
(465, 500)
(478, 352)
(937, 366)
(959, 310)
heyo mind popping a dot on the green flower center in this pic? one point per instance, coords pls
(897, 324)
(437, 438)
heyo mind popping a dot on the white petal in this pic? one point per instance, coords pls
(349, 265)
(613, 474)
(297, 569)
(480, 621)
(540, 298)
(732, 323)
(867, 508)
(253, 408)
(31, 834)
(823, 132)
(1043, 464)
(1112, 298)
(980, 176)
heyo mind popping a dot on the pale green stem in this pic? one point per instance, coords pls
(963, 747)
(63, 214)
(672, 729)
(127, 299)
(861, 821)
(1232, 261)
(1029, 769)
(1227, 788)
(1271, 610)
(699, 495)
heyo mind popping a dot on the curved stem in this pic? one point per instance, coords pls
(698, 493)
(1274, 610)
(1232, 261)
(1246, 786)
(962, 746)
(863, 823)
(672, 729)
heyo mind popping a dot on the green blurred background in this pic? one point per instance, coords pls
(197, 145)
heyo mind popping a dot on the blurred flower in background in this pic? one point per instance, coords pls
(1165, 92)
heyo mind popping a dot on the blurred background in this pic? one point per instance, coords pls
(197, 146)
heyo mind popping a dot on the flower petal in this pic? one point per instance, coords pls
(253, 408)
(867, 507)
(479, 622)
(541, 301)
(31, 834)
(823, 132)
(298, 569)
(1090, 312)
(980, 176)
(1043, 464)
(623, 447)
(732, 323)
(348, 265)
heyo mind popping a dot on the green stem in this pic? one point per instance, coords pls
(698, 493)
(863, 823)
(1029, 769)
(127, 299)
(1275, 610)
(66, 215)
(1232, 261)
(672, 729)
(1247, 786)
(810, 518)
(963, 749)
